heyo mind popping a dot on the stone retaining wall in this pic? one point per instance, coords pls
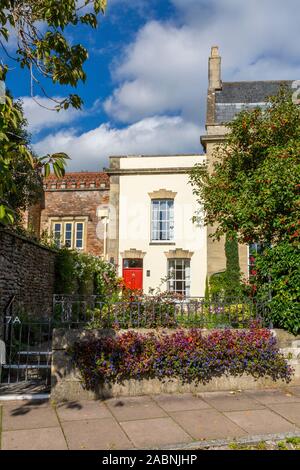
(27, 271)
(67, 385)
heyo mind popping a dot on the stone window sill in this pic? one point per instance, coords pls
(162, 243)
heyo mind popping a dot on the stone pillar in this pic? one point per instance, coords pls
(113, 225)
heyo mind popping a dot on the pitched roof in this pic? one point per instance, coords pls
(238, 96)
(78, 180)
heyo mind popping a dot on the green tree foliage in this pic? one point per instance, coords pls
(43, 46)
(20, 169)
(26, 177)
(232, 266)
(254, 192)
(44, 49)
(227, 285)
(278, 278)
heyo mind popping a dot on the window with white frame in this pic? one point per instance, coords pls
(69, 233)
(162, 221)
(79, 228)
(179, 276)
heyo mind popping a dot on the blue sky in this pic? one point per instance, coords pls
(147, 74)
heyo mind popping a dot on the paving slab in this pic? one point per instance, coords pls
(25, 388)
(289, 411)
(95, 434)
(34, 439)
(155, 432)
(186, 401)
(226, 401)
(126, 409)
(295, 390)
(83, 410)
(270, 396)
(260, 422)
(20, 415)
(207, 424)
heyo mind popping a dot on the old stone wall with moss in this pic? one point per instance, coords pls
(27, 271)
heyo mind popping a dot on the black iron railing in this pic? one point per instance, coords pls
(26, 349)
(153, 313)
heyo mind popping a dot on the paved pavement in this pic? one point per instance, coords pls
(149, 422)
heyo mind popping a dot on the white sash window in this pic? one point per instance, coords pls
(69, 233)
(179, 274)
(162, 226)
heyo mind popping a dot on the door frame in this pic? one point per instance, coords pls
(137, 268)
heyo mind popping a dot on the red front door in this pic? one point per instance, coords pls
(133, 274)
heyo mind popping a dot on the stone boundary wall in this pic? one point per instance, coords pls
(66, 383)
(27, 271)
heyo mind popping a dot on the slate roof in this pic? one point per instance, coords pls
(237, 96)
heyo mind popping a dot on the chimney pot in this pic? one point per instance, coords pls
(215, 51)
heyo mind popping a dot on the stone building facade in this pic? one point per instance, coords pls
(75, 210)
(152, 237)
(27, 275)
(224, 101)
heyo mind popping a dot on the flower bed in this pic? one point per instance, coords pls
(187, 355)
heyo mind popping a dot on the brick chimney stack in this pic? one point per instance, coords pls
(214, 69)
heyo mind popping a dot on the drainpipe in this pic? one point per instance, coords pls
(105, 223)
(103, 215)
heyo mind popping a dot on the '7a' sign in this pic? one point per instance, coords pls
(12, 320)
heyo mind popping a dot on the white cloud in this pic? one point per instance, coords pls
(165, 69)
(161, 73)
(40, 115)
(155, 135)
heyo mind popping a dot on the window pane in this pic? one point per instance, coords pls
(132, 263)
(68, 235)
(171, 265)
(79, 235)
(179, 276)
(163, 226)
(179, 287)
(57, 234)
(79, 244)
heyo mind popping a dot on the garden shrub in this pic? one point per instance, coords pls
(85, 274)
(277, 283)
(187, 355)
(227, 284)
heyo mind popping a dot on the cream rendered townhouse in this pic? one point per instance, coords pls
(152, 237)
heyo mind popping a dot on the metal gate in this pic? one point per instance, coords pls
(25, 355)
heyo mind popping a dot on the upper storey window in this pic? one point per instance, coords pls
(69, 233)
(162, 223)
